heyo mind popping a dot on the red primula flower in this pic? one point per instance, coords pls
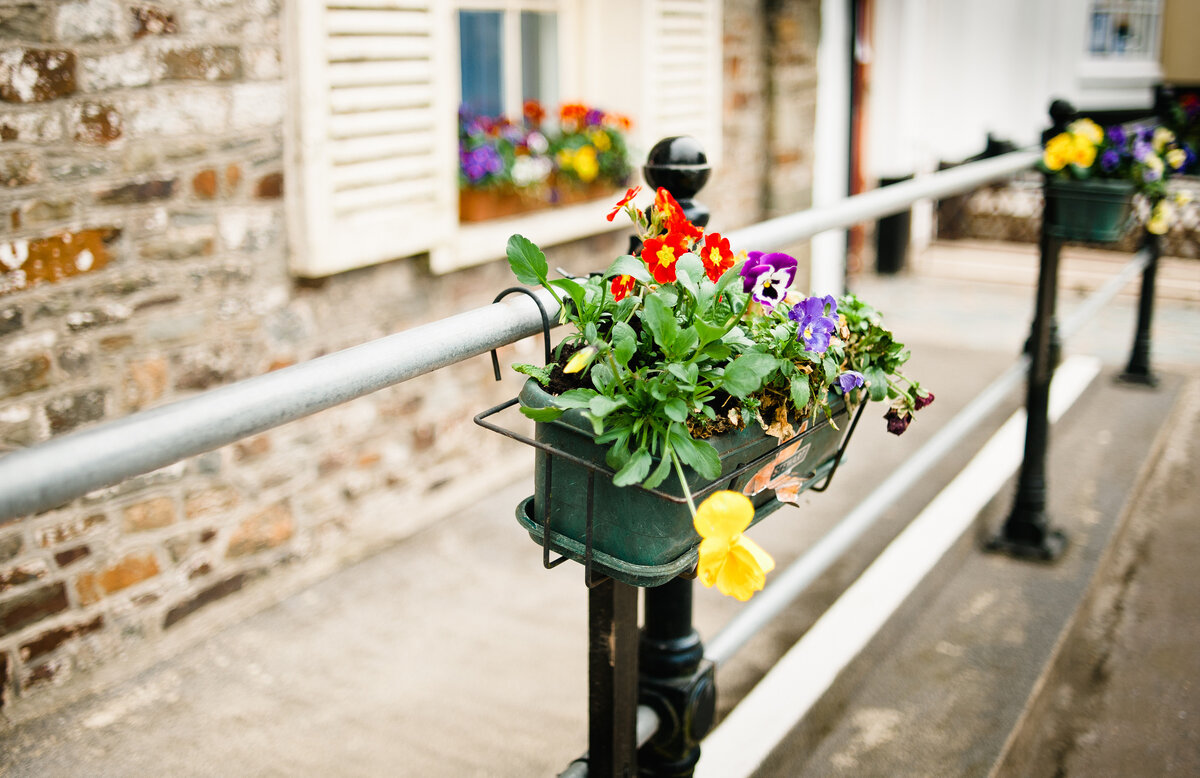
(661, 254)
(716, 256)
(673, 218)
(629, 195)
(621, 287)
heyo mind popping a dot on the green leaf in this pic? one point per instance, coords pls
(575, 398)
(877, 385)
(676, 410)
(600, 406)
(801, 392)
(660, 473)
(745, 374)
(539, 374)
(574, 289)
(700, 456)
(689, 269)
(661, 321)
(624, 342)
(635, 470)
(527, 261)
(628, 265)
(542, 414)
(728, 278)
(707, 332)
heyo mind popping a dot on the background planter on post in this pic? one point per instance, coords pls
(1094, 211)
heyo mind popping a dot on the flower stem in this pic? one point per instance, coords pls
(683, 481)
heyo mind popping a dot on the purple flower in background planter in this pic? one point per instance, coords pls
(1141, 149)
(851, 379)
(816, 317)
(593, 117)
(897, 422)
(1109, 160)
(767, 276)
(1116, 134)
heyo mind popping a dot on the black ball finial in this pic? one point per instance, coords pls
(679, 165)
(1062, 113)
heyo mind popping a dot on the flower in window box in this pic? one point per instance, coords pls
(670, 373)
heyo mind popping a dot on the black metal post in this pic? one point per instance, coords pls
(1027, 532)
(612, 680)
(675, 678)
(1138, 370)
(676, 681)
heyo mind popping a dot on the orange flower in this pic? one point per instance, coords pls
(534, 112)
(629, 195)
(716, 255)
(661, 254)
(621, 287)
(572, 116)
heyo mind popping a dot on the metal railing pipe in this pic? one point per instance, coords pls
(63, 468)
(37, 478)
(785, 230)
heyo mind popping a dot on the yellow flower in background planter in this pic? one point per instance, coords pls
(733, 562)
(600, 140)
(1088, 129)
(1083, 150)
(1162, 136)
(586, 165)
(1176, 158)
(1058, 152)
(1160, 218)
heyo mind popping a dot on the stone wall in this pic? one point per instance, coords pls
(143, 260)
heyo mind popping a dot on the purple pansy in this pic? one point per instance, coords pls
(817, 320)
(1141, 149)
(767, 276)
(922, 400)
(1109, 160)
(593, 118)
(1116, 134)
(851, 379)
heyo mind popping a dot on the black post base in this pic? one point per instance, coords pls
(1139, 379)
(1029, 543)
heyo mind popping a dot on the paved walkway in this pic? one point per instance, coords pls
(455, 654)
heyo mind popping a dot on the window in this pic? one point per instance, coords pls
(507, 57)
(1124, 29)
(372, 160)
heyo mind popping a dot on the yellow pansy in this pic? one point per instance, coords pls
(1083, 151)
(1176, 158)
(580, 359)
(1162, 136)
(600, 140)
(1160, 218)
(586, 166)
(1058, 152)
(1088, 129)
(733, 562)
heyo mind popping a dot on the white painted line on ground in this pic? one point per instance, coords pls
(781, 699)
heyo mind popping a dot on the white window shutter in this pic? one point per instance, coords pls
(683, 72)
(372, 164)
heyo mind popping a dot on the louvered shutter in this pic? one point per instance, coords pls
(684, 65)
(374, 141)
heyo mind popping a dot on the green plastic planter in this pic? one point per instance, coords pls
(643, 538)
(1092, 211)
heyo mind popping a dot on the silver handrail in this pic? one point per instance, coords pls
(51, 474)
